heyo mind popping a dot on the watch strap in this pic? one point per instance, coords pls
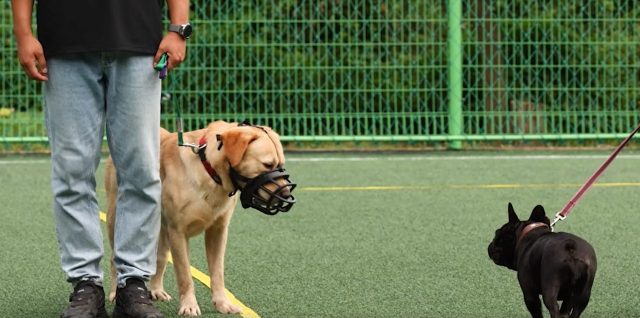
(175, 28)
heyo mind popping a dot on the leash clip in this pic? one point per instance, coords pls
(195, 148)
(559, 217)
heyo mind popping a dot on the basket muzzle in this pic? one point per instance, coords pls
(270, 201)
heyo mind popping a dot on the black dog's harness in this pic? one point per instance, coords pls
(250, 197)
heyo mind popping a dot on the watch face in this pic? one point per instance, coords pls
(187, 31)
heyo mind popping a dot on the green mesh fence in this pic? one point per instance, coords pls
(390, 70)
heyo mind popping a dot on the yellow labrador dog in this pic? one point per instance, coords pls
(198, 194)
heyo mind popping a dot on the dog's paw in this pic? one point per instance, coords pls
(224, 306)
(159, 295)
(189, 307)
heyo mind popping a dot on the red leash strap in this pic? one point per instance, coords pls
(567, 208)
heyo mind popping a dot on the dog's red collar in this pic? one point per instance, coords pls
(528, 229)
(207, 166)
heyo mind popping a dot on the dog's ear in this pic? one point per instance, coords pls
(235, 143)
(513, 217)
(538, 215)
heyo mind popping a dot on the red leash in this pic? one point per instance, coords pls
(563, 214)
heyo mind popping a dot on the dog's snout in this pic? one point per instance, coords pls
(285, 193)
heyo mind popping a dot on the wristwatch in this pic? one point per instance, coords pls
(182, 29)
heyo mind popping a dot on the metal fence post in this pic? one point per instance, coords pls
(455, 71)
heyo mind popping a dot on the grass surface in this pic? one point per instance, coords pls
(363, 253)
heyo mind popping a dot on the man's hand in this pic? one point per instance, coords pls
(30, 51)
(176, 48)
(29, 48)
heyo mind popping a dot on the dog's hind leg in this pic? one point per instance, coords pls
(580, 303)
(156, 286)
(566, 295)
(550, 291)
(581, 297)
(114, 272)
(566, 307)
(111, 187)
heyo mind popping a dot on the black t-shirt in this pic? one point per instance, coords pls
(86, 26)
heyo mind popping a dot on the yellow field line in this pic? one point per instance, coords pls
(204, 279)
(471, 186)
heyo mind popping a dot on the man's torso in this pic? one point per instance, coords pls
(85, 26)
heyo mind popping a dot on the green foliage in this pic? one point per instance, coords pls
(573, 62)
(379, 67)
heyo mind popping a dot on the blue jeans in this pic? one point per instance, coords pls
(82, 93)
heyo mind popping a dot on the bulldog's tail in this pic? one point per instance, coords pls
(576, 266)
(570, 246)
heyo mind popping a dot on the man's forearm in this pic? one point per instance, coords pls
(178, 11)
(22, 10)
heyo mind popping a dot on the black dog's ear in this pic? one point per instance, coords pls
(538, 215)
(513, 218)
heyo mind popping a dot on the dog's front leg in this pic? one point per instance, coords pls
(179, 244)
(532, 300)
(156, 285)
(215, 245)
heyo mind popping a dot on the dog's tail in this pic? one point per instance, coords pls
(163, 132)
(576, 266)
(570, 246)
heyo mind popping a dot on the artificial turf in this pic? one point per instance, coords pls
(363, 253)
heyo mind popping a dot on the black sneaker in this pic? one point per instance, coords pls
(87, 301)
(133, 301)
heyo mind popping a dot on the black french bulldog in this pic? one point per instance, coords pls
(558, 266)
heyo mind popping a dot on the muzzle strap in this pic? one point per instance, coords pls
(219, 138)
(235, 177)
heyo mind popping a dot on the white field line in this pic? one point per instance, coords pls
(460, 158)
